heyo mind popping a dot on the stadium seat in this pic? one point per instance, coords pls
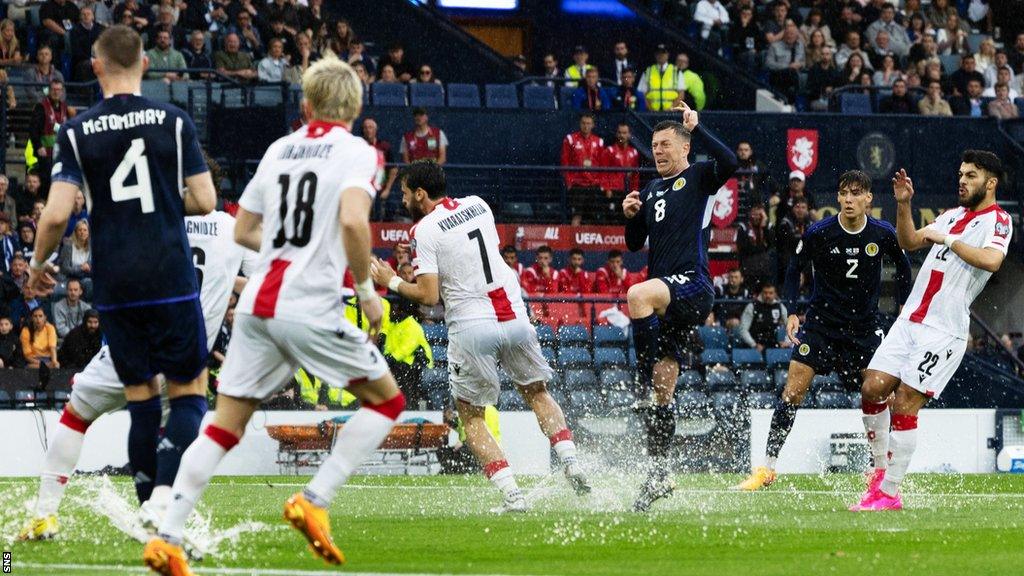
(573, 335)
(230, 96)
(267, 96)
(781, 376)
(438, 399)
(609, 336)
(539, 98)
(565, 97)
(829, 382)
(546, 334)
(24, 399)
(436, 333)
(781, 335)
(547, 212)
(549, 354)
(746, 357)
(516, 211)
(616, 379)
(831, 400)
(974, 41)
(855, 399)
(607, 357)
(721, 380)
(388, 94)
(573, 356)
(727, 402)
(511, 400)
(692, 403)
(775, 357)
(689, 380)
(579, 379)
(756, 380)
(714, 337)
(434, 378)
(463, 96)
(586, 402)
(620, 399)
(440, 354)
(5, 400)
(422, 94)
(713, 356)
(855, 103)
(156, 90)
(950, 62)
(569, 313)
(558, 397)
(501, 96)
(761, 400)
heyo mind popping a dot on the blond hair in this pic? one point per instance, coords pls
(333, 90)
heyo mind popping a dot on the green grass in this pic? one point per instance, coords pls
(953, 525)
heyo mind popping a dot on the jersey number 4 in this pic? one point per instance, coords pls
(142, 190)
(302, 214)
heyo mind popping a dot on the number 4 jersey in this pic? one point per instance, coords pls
(130, 157)
(297, 189)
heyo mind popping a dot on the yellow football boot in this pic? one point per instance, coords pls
(165, 558)
(43, 528)
(315, 525)
(761, 477)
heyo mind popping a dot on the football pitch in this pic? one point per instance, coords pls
(955, 525)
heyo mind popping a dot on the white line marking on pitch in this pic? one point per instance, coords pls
(241, 571)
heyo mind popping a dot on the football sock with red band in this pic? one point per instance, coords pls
(59, 462)
(902, 444)
(198, 464)
(876, 425)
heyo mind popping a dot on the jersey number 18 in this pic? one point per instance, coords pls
(302, 215)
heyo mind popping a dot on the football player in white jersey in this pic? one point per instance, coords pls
(456, 259)
(923, 349)
(307, 211)
(97, 390)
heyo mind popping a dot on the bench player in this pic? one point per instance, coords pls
(673, 212)
(141, 170)
(307, 211)
(456, 257)
(96, 390)
(843, 327)
(926, 344)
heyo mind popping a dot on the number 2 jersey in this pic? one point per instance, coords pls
(130, 157)
(458, 241)
(946, 286)
(297, 189)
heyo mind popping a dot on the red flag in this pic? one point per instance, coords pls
(802, 150)
(727, 204)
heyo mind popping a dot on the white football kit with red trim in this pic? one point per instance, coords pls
(483, 306)
(926, 344)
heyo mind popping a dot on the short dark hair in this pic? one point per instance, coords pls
(851, 177)
(75, 280)
(426, 174)
(120, 46)
(734, 269)
(508, 249)
(623, 123)
(587, 115)
(419, 111)
(674, 126)
(801, 200)
(765, 286)
(887, 6)
(545, 249)
(575, 251)
(91, 313)
(614, 253)
(985, 160)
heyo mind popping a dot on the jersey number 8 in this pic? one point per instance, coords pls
(659, 210)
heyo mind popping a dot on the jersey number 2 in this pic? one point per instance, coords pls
(302, 215)
(852, 272)
(483, 254)
(142, 190)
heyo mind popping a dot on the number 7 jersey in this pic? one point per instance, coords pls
(297, 189)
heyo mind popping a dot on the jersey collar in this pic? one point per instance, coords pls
(973, 214)
(318, 128)
(852, 232)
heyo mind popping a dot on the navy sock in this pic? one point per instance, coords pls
(182, 428)
(661, 428)
(645, 342)
(782, 424)
(142, 438)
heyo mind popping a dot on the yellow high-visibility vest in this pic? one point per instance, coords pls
(576, 73)
(404, 339)
(309, 388)
(492, 421)
(661, 88)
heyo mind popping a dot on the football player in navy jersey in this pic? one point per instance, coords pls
(842, 328)
(141, 168)
(673, 214)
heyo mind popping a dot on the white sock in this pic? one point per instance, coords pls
(58, 465)
(769, 462)
(565, 449)
(902, 444)
(500, 474)
(361, 436)
(161, 496)
(876, 424)
(198, 464)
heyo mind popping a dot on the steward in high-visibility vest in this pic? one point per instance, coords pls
(355, 315)
(579, 68)
(659, 82)
(404, 339)
(316, 392)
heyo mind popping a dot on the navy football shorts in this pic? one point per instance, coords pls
(688, 308)
(168, 339)
(844, 351)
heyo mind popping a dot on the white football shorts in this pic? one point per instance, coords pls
(921, 356)
(474, 352)
(97, 390)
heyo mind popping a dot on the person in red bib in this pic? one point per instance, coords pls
(621, 154)
(47, 117)
(573, 278)
(612, 278)
(583, 149)
(424, 141)
(540, 278)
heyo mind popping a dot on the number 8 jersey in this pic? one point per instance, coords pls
(130, 157)
(297, 189)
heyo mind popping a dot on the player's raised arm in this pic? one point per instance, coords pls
(903, 275)
(910, 238)
(636, 223)
(725, 162)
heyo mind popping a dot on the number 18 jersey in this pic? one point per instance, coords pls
(297, 189)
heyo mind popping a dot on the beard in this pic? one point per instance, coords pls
(974, 197)
(416, 213)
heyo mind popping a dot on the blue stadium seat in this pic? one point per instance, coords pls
(616, 379)
(605, 357)
(501, 96)
(761, 400)
(539, 97)
(855, 103)
(510, 400)
(156, 90)
(609, 336)
(61, 397)
(1020, 105)
(267, 96)
(546, 334)
(774, 357)
(426, 95)
(829, 382)
(727, 402)
(855, 399)
(516, 211)
(586, 402)
(440, 354)
(974, 41)
(714, 337)
(436, 333)
(463, 96)
(781, 335)
(746, 357)
(713, 356)
(781, 376)
(832, 400)
(549, 211)
(689, 380)
(565, 97)
(692, 402)
(434, 378)
(388, 94)
(950, 62)
(620, 399)
(24, 399)
(549, 354)
(721, 380)
(756, 380)
(573, 335)
(573, 356)
(579, 379)
(558, 397)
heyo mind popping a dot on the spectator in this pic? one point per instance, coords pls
(27, 239)
(952, 38)
(10, 48)
(612, 279)
(621, 61)
(425, 75)
(796, 190)
(713, 19)
(886, 74)
(424, 140)
(621, 154)
(979, 15)
(855, 67)
(234, 63)
(10, 345)
(75, 260)
(7, 204)
(341, 38)
(762, 318)
(511, 258)
(746, 38)
(579, 67)
(659, 82)
(406, 349)
(19, 276)
(47, 116)
(356, 54)
(626, 96)
(83, 36)
(917, 29)
(971, 103)
(272, 68)
(58, 17)
(134, 15)
(898, 42)
(986, 55)
(82, 343)
(822, 79)
(1002, 106)
(285, 12)
(899, 102)
(43, 72)
(909, 10)
(878, 52)
(754, 244)
(582, 149)
(387, 74)
(752, 176)
(784, 61)
(79, 212)
(551, 70)
(195, 55)
(166, 22)
(164, 56)
(590, 96)
(788, 233)
(396, 59)
(850, 47)
(727, 311)
(69, 312)
(1005, 77)
(1001, 60)
(521, 66)
(938, 13)
(573, 278)
(312, 17)
(27, 196)
(775, 25)
(363, 76)
(250, 40)
(39, 341)
(967, 72)
(8, 245)
(689, 83)
(849, 21)
(399, 256)
(815, 47)
(280, 31)
(815, 22)
(1016, 54)
(541, 278)
(385, 178)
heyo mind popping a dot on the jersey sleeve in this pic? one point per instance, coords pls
(192, 160)
(999, 233)
(424, 253)
(362, 171)
(65, 160)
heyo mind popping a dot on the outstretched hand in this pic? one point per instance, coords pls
(631, 204)
(902, 186)
(689, 114)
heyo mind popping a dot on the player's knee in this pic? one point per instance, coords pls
(635, 296)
